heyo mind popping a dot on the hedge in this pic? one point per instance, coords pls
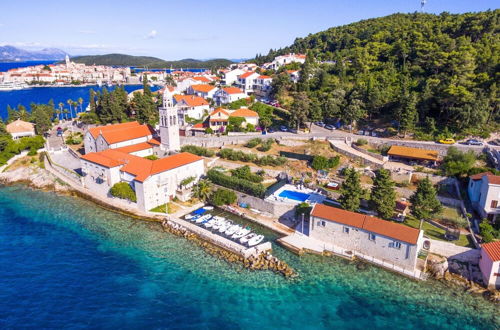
(245, 173)
(223, 197)
(238, 155)
(200, 151)
(123, 190)
(245, 186)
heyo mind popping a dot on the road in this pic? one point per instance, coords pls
(322, 133)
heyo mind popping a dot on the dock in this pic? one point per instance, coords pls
(218, 240)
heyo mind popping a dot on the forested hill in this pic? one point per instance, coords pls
(147, 61)
(444, 65)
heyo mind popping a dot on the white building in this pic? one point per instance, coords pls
(202, 90)
(169, 123)
(262, 86)
(20, 128)
(229, 77)
(384, 240)
(191, 106)
(116, 136)
(281, 60)
(219, 118)
(228, 94)
(484, 193)
(489, 263)
(246, 81)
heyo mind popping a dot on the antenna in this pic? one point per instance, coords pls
(422, 4)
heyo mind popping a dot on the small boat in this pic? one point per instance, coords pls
(203, 218)
(256, 240)
(195, 217)
(210, 223)
(248, 237)
(225, 227)
(242, 232)
(208, 208)
(219, 224)
(231, 230)
(188, 216)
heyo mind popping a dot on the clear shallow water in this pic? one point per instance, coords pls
(66, 263)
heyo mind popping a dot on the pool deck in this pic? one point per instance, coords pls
(314, 197)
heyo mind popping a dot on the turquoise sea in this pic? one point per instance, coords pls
(65, 263)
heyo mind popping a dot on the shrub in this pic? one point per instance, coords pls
(245, 186)
(334, 161)
(457, 162)
(266, 145)
(322, 163)
(74, 138)
(245, 173)
(361, 142)
(123, 190)
(253, 143)
(487, 231)
(223, 197)
(238, 155)
(200, 151)
(152, 157)
(209, 130)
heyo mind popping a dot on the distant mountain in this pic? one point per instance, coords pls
(147, 61)
(14, 54)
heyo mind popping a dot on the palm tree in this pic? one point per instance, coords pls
(80, 101)
(70, 103)
(202, 190)
(61, 105)
(75, 106)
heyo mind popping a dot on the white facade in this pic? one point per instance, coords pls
(169, 124)
(231, 77)
(489, 265)
(223, 97)
(484, 193)
(246, 81)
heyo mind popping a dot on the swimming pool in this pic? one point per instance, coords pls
(295, 195)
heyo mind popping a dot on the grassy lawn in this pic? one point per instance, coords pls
(435, 232)
(164, 208)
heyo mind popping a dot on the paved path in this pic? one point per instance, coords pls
(448, 250)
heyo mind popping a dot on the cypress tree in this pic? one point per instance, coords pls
(383, 196)
(351, 191)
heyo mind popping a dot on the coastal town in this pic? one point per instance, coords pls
(222, 141)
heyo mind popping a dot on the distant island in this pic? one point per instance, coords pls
(148, 61)
(14, 54)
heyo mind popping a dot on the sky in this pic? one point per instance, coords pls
(179, 29)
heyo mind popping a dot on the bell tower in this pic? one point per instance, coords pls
(169, 123)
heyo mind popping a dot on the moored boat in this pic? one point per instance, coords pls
(255, 240)
(248, 237)
(242, 232)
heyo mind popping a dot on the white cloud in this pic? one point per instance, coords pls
(152, 34)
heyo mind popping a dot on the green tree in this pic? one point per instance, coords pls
(383, 196)
(487, 231)
(351, 191)
(457, 162)
(202, 190)
(41, 118)
(300, 109)
(424, 202)
(223, 197)
(408, 115)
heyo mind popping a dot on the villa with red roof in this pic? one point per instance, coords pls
(489, 263)
(392, 243)
(191, 106)
(203, 90)
(219, 118)
(228, 94)
(246, 81)
(484, 193)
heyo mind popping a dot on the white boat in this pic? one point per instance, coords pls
(210, 223)
(208, 208)
(225, 227)
(10, 86)
(188, 216)
(231, 230)
(242, 232)
(256, 240)
(203, 218)
(219, 224)
(248, 237)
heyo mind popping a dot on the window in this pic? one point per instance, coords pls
(396, 245)
(494, 204)
(322, 223)
(371, 237)
(346, 230)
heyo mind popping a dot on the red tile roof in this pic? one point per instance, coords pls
(492, 179)
(94, 131)
(125, 134)
(244, 112)
(492, 249)
(101, 159)
(479, 176)
(246, 74)
(202, 88)
(232, 90)
(201, 78)
(264, 77)
(135, 147)
(224, 111)
(378, 226)
(191, 100)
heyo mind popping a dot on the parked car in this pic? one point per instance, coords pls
(320, 124)
(473, 142)
(283, 128)
(275, 104)
(330, 127)
(59, 131)
(270, 130)
(447, 141)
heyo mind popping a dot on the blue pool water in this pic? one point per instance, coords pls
(295, 195)
(65, 263)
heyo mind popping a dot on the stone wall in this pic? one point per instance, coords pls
(366, 152)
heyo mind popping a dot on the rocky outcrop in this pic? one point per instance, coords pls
(35, 177)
